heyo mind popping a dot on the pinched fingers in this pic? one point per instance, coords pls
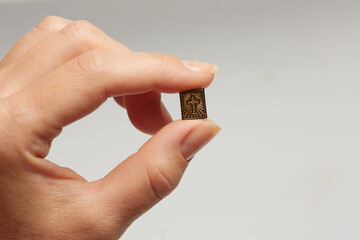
(54, 80)
(84, 83)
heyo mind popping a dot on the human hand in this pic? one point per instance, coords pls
(58, 73)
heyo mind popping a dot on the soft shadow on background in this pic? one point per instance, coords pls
(286, 165)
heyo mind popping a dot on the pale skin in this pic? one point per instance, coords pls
(59, 72)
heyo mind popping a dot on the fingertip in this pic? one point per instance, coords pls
(198, 138)
(147, 112)
(120, 101)
(197, 66)
(177, 75)
(172, 135)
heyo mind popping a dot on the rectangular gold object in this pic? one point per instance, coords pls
(193, 104)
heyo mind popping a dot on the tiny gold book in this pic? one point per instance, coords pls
(193, 104)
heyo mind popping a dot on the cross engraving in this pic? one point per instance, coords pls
(193, 104)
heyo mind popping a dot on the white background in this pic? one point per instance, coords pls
(286, 165)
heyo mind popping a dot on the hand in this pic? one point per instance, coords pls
(58, 73)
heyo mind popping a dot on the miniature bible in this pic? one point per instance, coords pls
(193, 104)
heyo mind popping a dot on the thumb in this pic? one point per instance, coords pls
(149, 175)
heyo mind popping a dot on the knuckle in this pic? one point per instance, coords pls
(90, 62)
(81, 31)
(161, 184)
(162, 63)
(49, 24)
(163, 59)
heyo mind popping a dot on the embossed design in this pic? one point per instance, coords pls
(193, 104)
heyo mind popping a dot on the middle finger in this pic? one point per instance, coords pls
(70, 42)
(146, 111)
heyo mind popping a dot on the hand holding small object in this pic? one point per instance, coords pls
(59, 72)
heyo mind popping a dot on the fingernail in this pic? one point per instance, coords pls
(201, 66)
(198, 138)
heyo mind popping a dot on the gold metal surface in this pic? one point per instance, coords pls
(193, 104)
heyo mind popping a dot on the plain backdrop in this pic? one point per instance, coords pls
(286, 165)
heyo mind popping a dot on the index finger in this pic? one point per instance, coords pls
(83, 84)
